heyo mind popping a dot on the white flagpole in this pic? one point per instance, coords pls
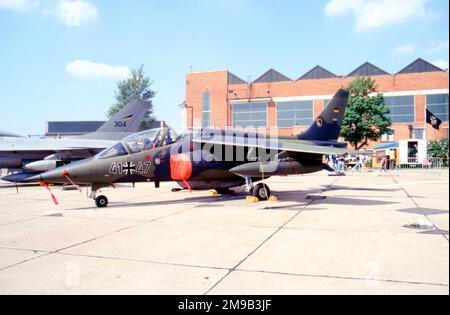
(426, 129)
(425, 120)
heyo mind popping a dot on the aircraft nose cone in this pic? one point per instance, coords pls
(57, 176)
(53, 176)
(23, 177)
(77, 172)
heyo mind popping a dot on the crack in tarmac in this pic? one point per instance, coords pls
(58, 251)
(269, 237)
(418, 207)
(229, 270)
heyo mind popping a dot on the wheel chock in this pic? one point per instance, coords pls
(252, 199)
(213, 192)
(273, 198)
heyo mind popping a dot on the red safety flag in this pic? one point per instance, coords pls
(55, 201)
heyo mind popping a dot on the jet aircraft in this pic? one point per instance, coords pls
(31, 156)
(208, 158)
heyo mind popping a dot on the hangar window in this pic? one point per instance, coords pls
(251, 114)
(401, 108)
(388, 137)
(438, 105)
(206, 110)
(296, 113)
(418, 133)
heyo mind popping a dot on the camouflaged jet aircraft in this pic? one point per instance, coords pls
(208, 158)
(31, 156)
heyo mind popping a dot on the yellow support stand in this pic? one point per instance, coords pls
(273, 198)
(213, 192)
(252, 199)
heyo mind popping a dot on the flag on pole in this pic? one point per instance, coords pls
(433, 120)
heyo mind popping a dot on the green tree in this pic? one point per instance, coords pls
(138, 85)
(438, 148)
(366, 116)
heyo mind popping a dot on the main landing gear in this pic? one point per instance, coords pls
(100, 201)
(260, 191)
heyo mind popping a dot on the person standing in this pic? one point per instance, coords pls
(341, 164)
(383, 165)
(358, 164)
(365, 163)
(386, 165)
(428, 162)
(333, 161)
(392, 159)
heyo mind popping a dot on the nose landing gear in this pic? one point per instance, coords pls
(100, 201)
(249, 184)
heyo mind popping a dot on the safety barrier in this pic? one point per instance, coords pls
(436, 165)
(430, 165)
(427, 163)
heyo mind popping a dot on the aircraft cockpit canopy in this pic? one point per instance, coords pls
(142, 141)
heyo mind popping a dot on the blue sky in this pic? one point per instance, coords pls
(61, 59)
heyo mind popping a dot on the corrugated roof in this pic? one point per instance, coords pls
(317, 72)
(234, 79)
(367, 69)
(419, 65)
(272, 76)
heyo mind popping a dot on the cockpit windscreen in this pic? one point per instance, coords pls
(142, 141)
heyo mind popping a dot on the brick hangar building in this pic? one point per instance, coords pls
(276, 103)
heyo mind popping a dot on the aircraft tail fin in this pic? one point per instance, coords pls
(327, 126)
(128, 119)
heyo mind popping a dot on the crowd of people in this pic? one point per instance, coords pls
(341, 163)
(385, 161)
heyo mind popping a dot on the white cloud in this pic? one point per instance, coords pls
(71, 12)
(338, 7)
(370, 14)
(90, 70)
(405, 49)
(75, 13)
(19, 5)
(441, 63)
(441, 47)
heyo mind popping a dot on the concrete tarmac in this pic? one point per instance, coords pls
(358, 234)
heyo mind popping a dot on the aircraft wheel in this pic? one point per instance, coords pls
(261, 191)
(101, 201)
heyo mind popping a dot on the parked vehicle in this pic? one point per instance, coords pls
(408, 153)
